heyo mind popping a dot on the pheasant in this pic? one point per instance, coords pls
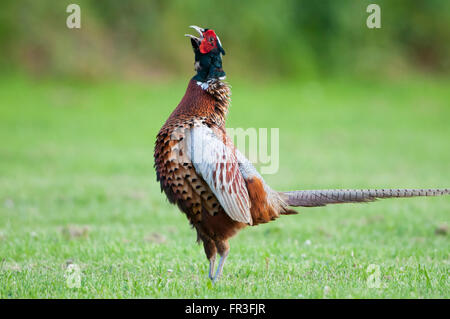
(211, 181)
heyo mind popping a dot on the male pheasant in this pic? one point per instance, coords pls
(210, 180)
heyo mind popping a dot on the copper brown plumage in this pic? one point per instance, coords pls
(185, 187)
(202, 172)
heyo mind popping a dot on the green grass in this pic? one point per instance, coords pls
(77, 185)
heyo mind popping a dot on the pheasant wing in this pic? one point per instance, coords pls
(217, 164)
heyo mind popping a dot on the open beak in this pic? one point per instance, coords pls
(199, 30)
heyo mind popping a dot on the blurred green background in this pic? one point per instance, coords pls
(264, 39)
(356, 108)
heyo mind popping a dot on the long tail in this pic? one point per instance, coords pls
(314, 198)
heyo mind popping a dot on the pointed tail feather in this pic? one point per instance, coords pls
(314, 198)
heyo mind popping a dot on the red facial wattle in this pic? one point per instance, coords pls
(209, 41)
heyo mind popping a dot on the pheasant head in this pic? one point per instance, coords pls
(208, 52)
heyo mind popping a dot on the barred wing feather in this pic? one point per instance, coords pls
(218, 166)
